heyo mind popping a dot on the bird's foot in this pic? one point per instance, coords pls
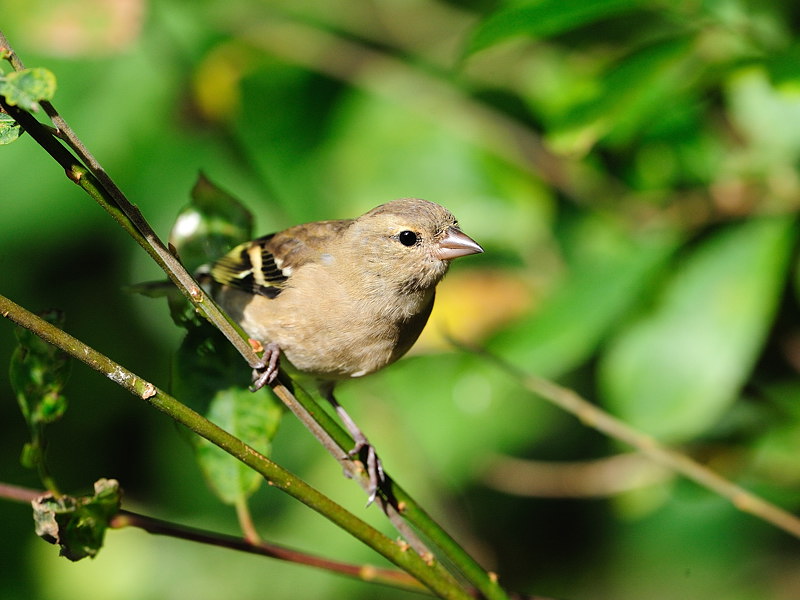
(266, 370)
(365, 451)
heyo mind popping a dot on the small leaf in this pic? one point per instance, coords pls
(31, 455)
(9, 129)
(675, 371)
(77, 524)
(542, 18)
(251, 417)
(210, 225)
(28, 87)
(38, 374)
(209, 374)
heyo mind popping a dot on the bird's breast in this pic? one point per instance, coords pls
(336, 331)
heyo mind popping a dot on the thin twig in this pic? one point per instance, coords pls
(18, 493)
(597, 478)
(596, 418)
(246, 524)
(126, 518)
(364, 572)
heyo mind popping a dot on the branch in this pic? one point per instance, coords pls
(592, 416)
(125, 518)
(598, 478)
(363, 572)
(427, 570)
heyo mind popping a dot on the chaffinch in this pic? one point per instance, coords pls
(342, 299)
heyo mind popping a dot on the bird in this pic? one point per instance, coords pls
(341, 299)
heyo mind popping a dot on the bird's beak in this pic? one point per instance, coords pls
(455, 244)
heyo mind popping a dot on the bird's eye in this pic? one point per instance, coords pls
(407, 238)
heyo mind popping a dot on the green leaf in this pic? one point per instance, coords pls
(210, 375)
(603, 283)
(630, 96)
(210, 225)
(251, 417)
(78, 524)
(542, 18)
(38, 374)
(28, 87)
(677, 369)
(782, 66)
(9, 129)
(31, 455)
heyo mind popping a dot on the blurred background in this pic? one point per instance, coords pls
(630, 168)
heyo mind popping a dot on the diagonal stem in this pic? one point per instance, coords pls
(126, 518)
(592, 416)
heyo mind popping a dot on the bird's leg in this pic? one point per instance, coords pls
(266, 370)
(373, 463)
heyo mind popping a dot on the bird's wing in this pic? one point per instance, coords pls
(264, 266)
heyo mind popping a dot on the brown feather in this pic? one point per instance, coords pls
(342, 298)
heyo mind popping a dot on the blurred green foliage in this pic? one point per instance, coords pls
(631, 170)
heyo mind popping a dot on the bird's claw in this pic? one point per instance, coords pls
(373, 465)
(266, 370)
(362, 451)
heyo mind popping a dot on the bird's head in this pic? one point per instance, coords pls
(409, 243)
